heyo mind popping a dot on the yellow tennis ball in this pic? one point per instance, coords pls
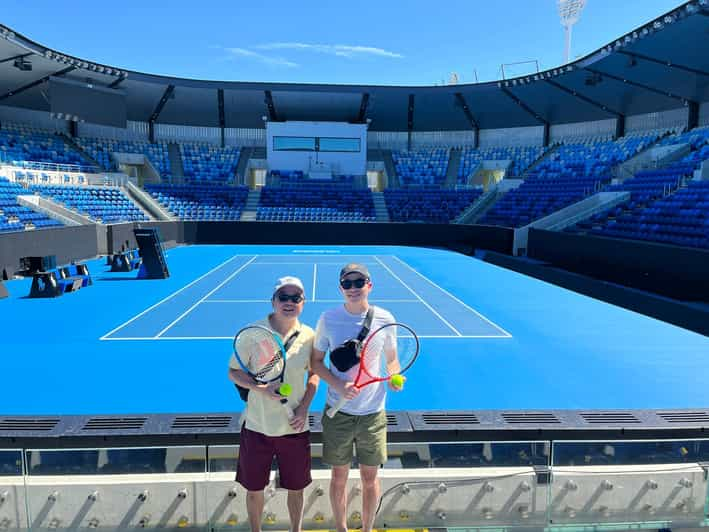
(285, 389)
(397, 381)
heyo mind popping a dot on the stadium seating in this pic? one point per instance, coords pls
(696, 138)
(665, 205)
(521, 156)
(426, 166)
(101, 204)
(681, 219)
(22, 144)
(434, 205)
(573, 172)
(101, 150)
(315, 202)
(15, 217)
(206, 162)
(201, 201)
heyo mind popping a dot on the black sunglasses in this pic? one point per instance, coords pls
(357, 283)
(295, 298)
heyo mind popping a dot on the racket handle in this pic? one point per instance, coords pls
(335, 409)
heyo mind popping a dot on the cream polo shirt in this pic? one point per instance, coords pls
(265, 415)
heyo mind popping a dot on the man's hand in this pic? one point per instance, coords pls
(396, 385)
(347, 389)
(271, 390)
(297, 422)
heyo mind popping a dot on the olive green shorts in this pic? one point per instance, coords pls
(368, 433)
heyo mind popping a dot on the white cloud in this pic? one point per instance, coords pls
(275, 61)
(340, 50)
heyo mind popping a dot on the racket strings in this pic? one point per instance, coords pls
(272, 366)
(390, 351)
(259, 351)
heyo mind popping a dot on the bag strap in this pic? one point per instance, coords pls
(289, 341)
(366, 325)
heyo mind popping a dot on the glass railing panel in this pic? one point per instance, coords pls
(420, 455)
(575, 453)
(11, 463)
(117, 461)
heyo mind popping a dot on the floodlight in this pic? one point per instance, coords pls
(569, 12)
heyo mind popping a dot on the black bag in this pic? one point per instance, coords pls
(244, 392)
(346, 356)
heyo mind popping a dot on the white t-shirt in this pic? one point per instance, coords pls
(334, 328)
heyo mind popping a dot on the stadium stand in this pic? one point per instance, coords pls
(101, 204)
(666, 205)
(522, 158)
(315, 202)
(15, 217)
(435, 205)
(574, 171)
(206, 162)
(23, 145)
(681, 218)
(425, 166)
(696, 138)
(101, 150)
(201, 201)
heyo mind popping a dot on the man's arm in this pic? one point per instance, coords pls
(300, 413)
(240, 377)
(343, 388)
(311, 386)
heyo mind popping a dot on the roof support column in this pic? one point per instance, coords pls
(620, 126)
(158, 109)
(546, 135)
(460, 100)
(410, 120)
(692, 115)
(222, 122)
(529, 111)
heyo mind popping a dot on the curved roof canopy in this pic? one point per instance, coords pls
(661, 65)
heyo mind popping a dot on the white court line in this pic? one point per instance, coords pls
(315, 276)
(168, 297)
(206, 296)
(419, 298)
(319, 301)
(455, 298)
(169, 338)
(289, 263)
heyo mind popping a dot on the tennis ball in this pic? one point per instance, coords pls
(397, 381)
(285, 389)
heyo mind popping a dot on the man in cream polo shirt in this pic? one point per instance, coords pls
(266, 430)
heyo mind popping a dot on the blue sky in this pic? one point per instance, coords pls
(384, 42)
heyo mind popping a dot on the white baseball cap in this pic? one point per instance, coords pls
(289, 281)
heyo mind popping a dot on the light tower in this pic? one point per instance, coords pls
(569, 12)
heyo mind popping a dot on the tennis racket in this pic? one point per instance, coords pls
(262, 355)
(388, 351)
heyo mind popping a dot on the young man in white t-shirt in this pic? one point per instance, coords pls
(266, 430)
(362, 420)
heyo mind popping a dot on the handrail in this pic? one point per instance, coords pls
(53, 167)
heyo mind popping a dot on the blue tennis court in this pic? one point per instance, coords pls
(491, 338)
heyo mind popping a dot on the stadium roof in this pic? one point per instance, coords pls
(661, 65)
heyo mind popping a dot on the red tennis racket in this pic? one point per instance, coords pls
(390, 350)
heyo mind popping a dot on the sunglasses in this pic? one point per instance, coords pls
(295, 298)
(357, 283)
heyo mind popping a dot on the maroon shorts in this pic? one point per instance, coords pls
(256, 452)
